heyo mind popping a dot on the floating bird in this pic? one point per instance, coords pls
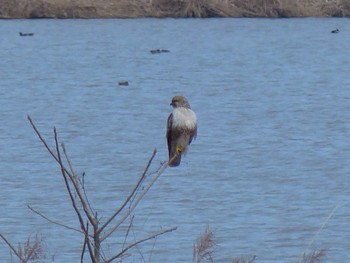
(181, 129)
(26, 34)
(123, 83)
(335, 31)
(156, 51)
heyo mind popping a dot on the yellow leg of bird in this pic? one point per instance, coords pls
(179, 149)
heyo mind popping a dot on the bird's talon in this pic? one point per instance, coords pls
(179, 149)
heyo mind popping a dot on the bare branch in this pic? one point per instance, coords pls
(86, 240)
(132, 193)
(128, 231)
(162, 232)
(131, 209)
(64, 170)
(64, 173)
(76, 179)
(52, 221)
(81, 221)
(67, 159)
(42, 139)
(12, 248)
(82, 200)
(80, 203)
(86, 207)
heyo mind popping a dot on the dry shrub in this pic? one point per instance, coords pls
(319, 8)
(32, 249)
(171, 8)
(244, 260)
(161, 8)
(204, 247)
(314, 257)
(195, 8)
(345, 6)
(221, 9)
(331, 8)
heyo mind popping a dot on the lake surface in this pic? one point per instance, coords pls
(269, 172)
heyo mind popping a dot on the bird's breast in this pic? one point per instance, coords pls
(184, 118)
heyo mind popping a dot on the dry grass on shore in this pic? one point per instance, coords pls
(172, 8)
(205, 248)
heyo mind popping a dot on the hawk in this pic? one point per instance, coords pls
(181, 129)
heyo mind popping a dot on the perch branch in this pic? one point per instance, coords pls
(131, 209)
(132, 193)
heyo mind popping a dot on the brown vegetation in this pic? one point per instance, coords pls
(171, 8)
(314, 257)
(31, 250)
(203, 251)
(204, 248)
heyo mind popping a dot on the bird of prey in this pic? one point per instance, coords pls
(181, 129)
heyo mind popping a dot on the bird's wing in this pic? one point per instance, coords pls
(168, 130)
(193, 134)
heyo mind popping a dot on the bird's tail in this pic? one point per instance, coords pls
(174, 158)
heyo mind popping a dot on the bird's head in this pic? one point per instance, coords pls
(180, 101)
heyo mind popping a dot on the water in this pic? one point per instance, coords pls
(268, 173)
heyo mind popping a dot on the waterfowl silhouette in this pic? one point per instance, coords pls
(335, 31)
(156, 51)
(123, 83)
(26, 34)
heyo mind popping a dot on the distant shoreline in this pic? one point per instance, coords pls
(94, 9)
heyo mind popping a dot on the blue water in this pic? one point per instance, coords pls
(268, 173)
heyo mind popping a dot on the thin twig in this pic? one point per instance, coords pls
(137, 247)
(64, 173)
(72, 182)
(89, 213)
(162, 232)
(57, 159)
(131, 209)
(86, 240)
(131, 194)
(152, 250)
(42, 139)
(321, 228)
(80, 218)
(128, 231)
(75, 183)
(83, 202)
(67, 159)
(12, 247)
(52, 221)
(67, 184)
